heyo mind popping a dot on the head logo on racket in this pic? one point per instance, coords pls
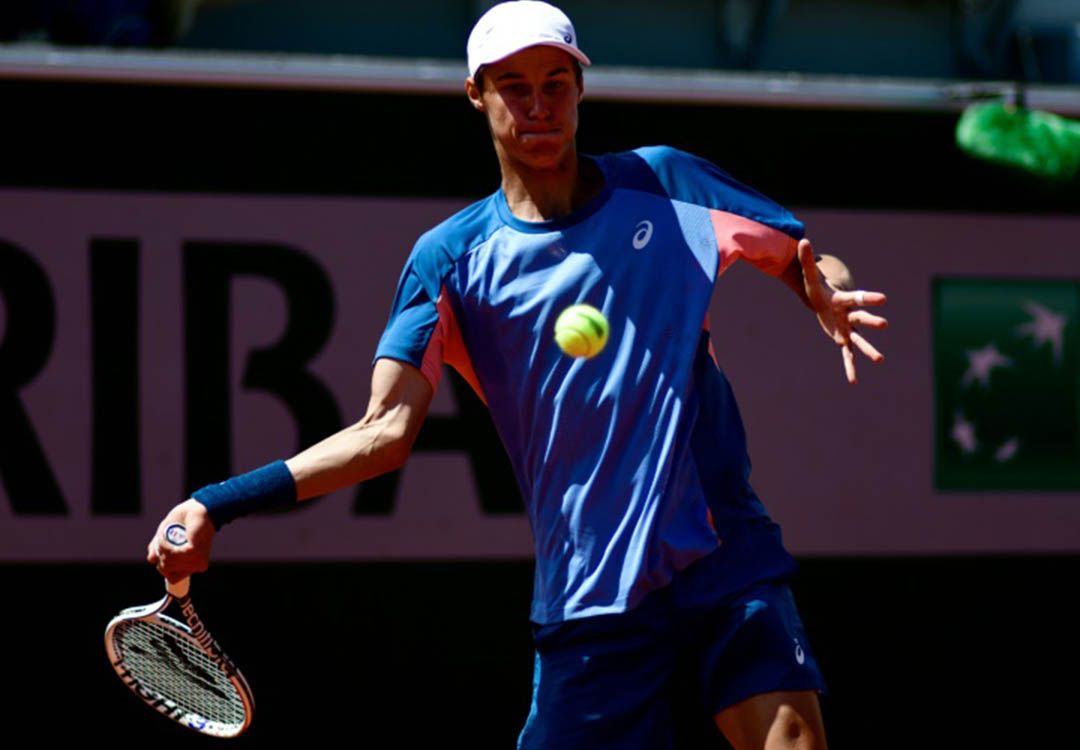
(176, 535)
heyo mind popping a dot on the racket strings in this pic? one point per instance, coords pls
(175, 667)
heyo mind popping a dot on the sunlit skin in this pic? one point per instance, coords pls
(531, 102)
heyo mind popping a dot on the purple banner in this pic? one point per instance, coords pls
(845, 470)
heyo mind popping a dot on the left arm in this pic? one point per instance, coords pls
(826, 287)
(748, 225)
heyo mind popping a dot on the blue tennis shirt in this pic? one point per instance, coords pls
(632, 464)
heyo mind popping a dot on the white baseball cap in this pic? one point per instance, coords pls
(512, 26)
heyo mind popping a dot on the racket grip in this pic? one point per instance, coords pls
(176, 535)
(179, 589)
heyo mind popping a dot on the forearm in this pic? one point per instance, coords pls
(373, 446)
(380, 442)
(377, 444)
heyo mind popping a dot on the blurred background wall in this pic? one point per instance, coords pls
(1036, 39)
(143, 139)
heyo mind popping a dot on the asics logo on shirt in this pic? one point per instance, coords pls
(642, 234)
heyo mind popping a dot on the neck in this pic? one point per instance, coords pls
(551, 193)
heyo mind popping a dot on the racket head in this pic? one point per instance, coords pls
(174, 665)
(178, 669)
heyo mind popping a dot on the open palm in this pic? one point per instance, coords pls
(838, 312)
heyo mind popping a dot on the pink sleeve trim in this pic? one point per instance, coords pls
(451, 346)
(767, 249)
(431, 364)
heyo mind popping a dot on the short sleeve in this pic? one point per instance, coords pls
(746, 224)
(413, 333)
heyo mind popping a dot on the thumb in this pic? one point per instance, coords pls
(811, 279)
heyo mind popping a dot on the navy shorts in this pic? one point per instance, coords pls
(617, 681)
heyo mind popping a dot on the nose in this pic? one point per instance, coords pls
(538, 109)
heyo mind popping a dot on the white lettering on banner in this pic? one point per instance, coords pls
(109, 409)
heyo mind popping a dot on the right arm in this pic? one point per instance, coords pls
(380, 442)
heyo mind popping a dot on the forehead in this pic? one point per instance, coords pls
(540, 59)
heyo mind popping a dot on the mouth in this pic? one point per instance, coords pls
(540, 133)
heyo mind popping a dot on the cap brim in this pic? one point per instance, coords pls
(574, 52)
(577, 54)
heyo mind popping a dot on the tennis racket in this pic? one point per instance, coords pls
(175, 665)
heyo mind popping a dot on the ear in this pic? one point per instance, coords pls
(476, 98)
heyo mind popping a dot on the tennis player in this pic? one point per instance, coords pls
(655, 559)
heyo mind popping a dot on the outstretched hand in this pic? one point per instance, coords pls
(838, 312)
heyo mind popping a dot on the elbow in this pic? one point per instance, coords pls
(396, 451)
(393, 442)
(386, 435)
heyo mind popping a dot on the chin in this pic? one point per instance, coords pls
(545, 157)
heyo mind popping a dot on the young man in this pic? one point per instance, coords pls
(655, 560)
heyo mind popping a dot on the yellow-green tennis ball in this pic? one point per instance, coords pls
(581, 331)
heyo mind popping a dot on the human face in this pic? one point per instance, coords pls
(531, 100)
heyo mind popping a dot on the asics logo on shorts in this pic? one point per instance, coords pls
(800, 655)
(642, 234)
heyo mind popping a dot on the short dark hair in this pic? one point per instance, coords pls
(479, 77)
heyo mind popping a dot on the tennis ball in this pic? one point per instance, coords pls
(581, 331)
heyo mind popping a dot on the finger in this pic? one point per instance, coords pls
(171, 568)
(152, 556)
(153, 548)
(863, 318)
(849, 363)
(805, 251)
(859, 298)
(161, 555)
(867, 348)
(809, 267)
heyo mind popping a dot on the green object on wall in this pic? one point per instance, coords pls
(1041, 143)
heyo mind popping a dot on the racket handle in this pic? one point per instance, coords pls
(176, 535)
(179, 589)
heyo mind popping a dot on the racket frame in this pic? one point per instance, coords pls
(194, 631)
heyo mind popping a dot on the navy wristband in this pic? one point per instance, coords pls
(267, 487)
